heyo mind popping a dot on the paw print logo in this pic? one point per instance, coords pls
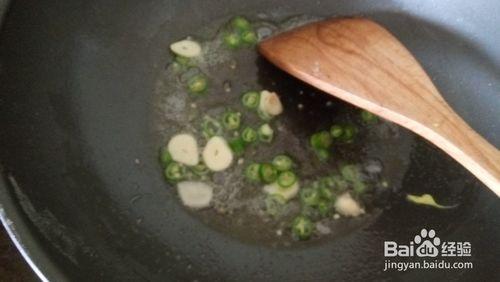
(428, 243)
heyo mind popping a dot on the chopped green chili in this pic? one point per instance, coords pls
(249, 135)
(200, 169)
(359, 187)
(309, 196)
(266, 133)
(302, 227)
(175, 171)
(322, 154)
(183, 61)
(321, 140)
(351, 173)
(177, 68)
(240, 24)
(211, 127)
(350, 132)
(165, 157)
(324, 208)
(232, 40)
(336, 131)
(368, 117)
(237, 145)
(268, 173)
(427, 199)
(282, 162)
(251, 99)
(286, 179)
(249, 37)
(326, 194)
(340, 183)
(231, 120)
(197, 84)
(252, 172)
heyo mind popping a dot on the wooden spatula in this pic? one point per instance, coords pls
(359, 61)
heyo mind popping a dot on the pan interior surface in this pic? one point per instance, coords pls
(79, 117)
(238, 206)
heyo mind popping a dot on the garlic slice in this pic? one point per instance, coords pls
(217, 154)
(270, 103)
(184, 149)
(347, 206)
(186, 48)
(195, 194)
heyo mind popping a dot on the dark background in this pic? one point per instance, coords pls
(13, 268)
(12, 265)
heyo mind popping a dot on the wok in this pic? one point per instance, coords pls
(82, 193)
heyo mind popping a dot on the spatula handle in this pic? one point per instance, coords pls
(461, 142)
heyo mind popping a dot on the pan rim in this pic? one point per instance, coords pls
(17, 227)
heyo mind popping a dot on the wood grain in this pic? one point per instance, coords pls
(358, 61)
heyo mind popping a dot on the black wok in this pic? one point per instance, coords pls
(82, 193)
